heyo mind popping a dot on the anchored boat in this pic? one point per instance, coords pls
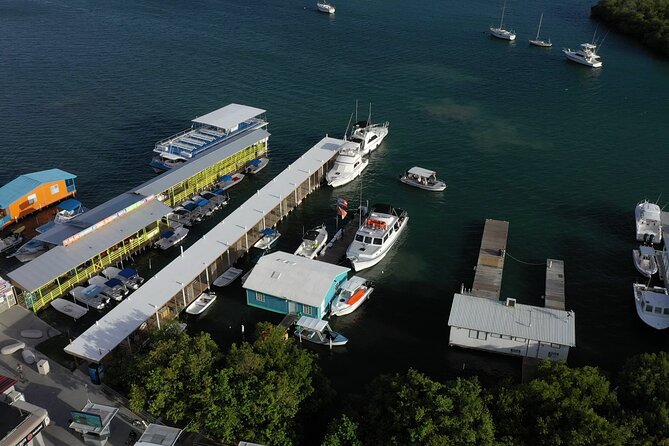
(540, 42)
(318, 332)
(313, 243)
(325, 7)
(368, 135)
(352, 294)
(423, 179)
(500, 32)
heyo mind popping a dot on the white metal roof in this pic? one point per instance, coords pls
(229, 116)
(129, 314)
(419, 171)
(61, 259)
(227, 148)
(294, 278)
(312, 323)
(159, 435)
(524, 321)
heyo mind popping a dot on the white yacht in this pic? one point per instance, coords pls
(171, 237)
(325, 7)
(648, 222)
(500, 32)
(644, 260)
(368, 135)
(352, 294)
(376, 236)
(348, 165)
(313, 243)
(652, 305)
(585, 56)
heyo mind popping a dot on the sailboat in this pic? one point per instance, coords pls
(540, 42)
(500, 32)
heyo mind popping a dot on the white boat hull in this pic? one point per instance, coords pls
(341, 180)
(502, 34)
(200, 305)
(657, 320)
(579, 59)
(343, 310)
(328, 9)
(439, 186)
(361, 262)
(229, 276)
(646, 265)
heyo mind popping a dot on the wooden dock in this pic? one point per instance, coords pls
(490, 265)
(554, 297)
(336, 251)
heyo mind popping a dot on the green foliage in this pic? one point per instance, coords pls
(647, 20)
(342, 431)
(644, 390)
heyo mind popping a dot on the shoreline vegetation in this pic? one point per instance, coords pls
(645, 20)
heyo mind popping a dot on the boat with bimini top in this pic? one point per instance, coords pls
(376, 236)
(129, 276)
(257, 165)
(171, 237)
(423, 179)
(313, 243)
(91, 296)
(227, 181)
(586, 55)
(318, 331)
(351, 295)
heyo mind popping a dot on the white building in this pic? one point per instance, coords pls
(511, 328)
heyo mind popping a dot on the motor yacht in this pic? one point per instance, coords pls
(652, 305)
(586, 55)
(648, 222)
(348, 165)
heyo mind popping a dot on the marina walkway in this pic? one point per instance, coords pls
(554, 297)
(490, 265)
(336, 250)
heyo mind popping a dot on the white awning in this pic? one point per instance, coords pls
(312, 323)
(229, 116)
(419, 171)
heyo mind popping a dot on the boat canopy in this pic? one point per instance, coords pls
(128, 273)
(420, 172)
(268, 231)
(69, 205)
(312, 323)
(256, 162)
(113, 283)
(189, 206)
(226, 178)
(202, 202)
(218, 191)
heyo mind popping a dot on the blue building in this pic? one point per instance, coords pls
(286, 283)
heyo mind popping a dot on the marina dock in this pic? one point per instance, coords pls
(336, 249)
(490, 264)
(554, 297)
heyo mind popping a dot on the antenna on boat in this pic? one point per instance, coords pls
(356, 110)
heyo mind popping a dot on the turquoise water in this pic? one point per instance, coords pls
(518, 133)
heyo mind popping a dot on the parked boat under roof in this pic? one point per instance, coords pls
(318, 332)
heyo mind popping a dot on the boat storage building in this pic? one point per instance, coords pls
(290, 284)
(511, 328)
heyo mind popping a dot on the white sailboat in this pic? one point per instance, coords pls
(540, 42)
(324, 6)
(348, 165)
(500, 32)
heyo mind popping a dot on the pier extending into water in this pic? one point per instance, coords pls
(490, 264)
(554, 297)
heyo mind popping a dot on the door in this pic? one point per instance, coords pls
(292, 307)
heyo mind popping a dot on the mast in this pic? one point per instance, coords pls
(539, 29)
(356, 110)
(502, 19)
(347, 126)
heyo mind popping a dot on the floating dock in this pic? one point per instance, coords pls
(336, 250)
(490, 265)
(554, 297)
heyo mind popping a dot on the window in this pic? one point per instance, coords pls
(649, 308)
(519, 339)
(260, 297)
(306, 309)
(495, 335)
(555, 346)
(473, 334)
(385, 237)
(508, 338)
(553, 354)
(666, 311)
(482, 336)
(515, 351)
(368, 240)
(32, 199)
(359, 238)
(377, 241)
(54, 189)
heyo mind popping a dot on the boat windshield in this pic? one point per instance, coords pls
(359, 238)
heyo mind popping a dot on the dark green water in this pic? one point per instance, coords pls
(561, 151)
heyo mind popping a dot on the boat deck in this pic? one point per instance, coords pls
(490, 265)
(554, 297)
(336, 253)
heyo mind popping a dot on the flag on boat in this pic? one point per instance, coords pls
(341, 212)
(342, 202)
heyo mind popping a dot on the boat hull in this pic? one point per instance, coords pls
(541, 43)
(437, 187)
(340, 180)
(348, 309)
(201, 304)
(580, 60)
(646, 266)
(502, 34)
(229, 276)
(657, 321)
(360, 263)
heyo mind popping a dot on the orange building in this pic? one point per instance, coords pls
(34, 191)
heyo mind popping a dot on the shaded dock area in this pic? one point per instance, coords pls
(336, 248)
(554, 297)
(490, 264)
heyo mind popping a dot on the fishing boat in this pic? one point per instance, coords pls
(540, 42)
(91, 296)
(227, 181)
(318, 332)
(200, 304)
(587, 55)
(313, 243)
(30, 250)
(112, 288)
(69, 308)
(129, 276)
(205, 207)
(500, 32)
(171, 237)
(369, 136)
(11, 241)
(652, 305)
(348, 165)
(644, 260)
(269, 237)
(648, 222)
(229, 276)
(257, 165)
(376, 236)
(325, 7)
(423, 179)
(351, 295)
(219, 200)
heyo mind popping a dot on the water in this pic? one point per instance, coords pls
(517, 132)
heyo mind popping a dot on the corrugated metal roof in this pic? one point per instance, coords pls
(227, 148)
(159, 435)
(229, 116)
(61, 259)
(524, 321)
(129, 314)
(24, 184)
(294, 278)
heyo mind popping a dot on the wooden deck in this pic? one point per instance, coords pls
(554, 297)
(490, 265)
(288, 320)
(336, 253)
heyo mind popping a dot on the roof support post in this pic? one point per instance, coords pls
(158, 319)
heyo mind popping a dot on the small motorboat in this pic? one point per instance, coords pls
(648, 222)
(227, 181)
(199, 305)
(30, 250)
(644, 260)
(423, 179)
(91, 296)
(318, 332)
(171, 237)
(269, 237)
(229, 276)
(325, 7)
(129, 276)
(313, 243)
(69, 308)
(257, 165)
(112, 288)
(12, 240)
(652, 305)
(352, 294)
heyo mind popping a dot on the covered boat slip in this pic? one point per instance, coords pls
(186, 277)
